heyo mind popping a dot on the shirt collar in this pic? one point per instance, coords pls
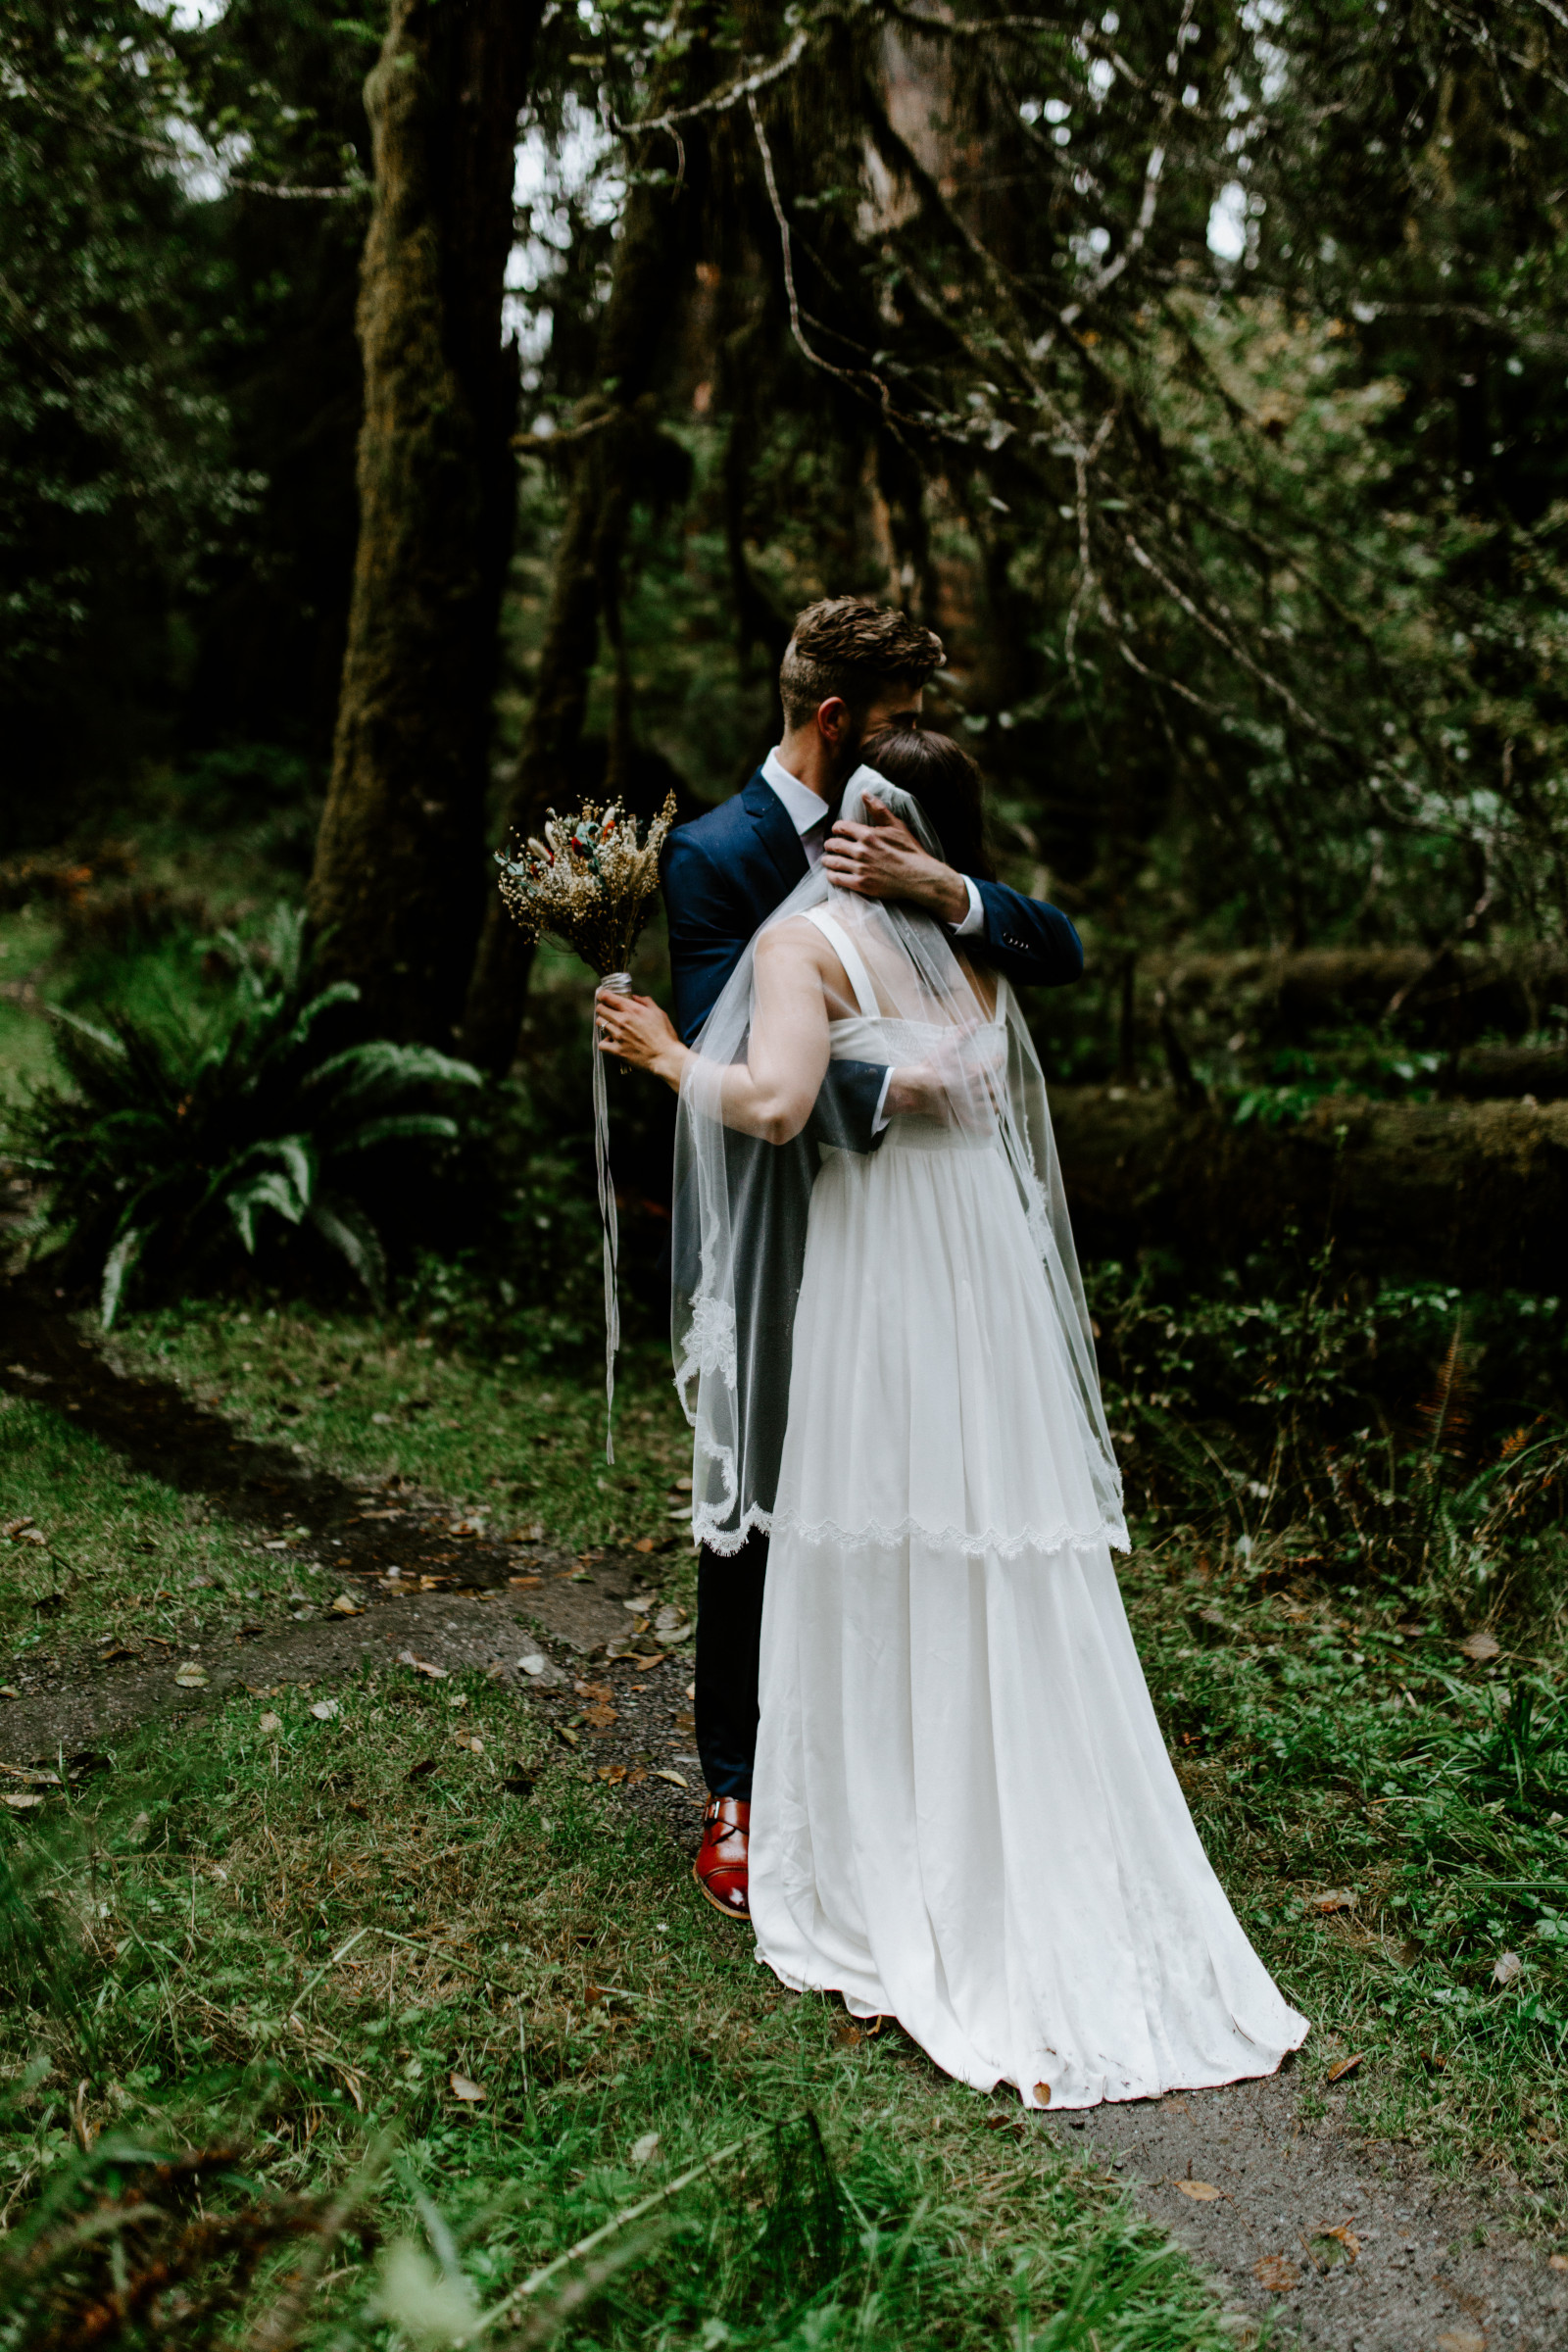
(803, 808)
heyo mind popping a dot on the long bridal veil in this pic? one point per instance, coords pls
(741, 1203)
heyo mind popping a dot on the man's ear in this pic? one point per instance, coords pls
(833, 719)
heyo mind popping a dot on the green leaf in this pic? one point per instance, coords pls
(300, 1160)
(428, 1123)
(272, 1189)
(116, 1266)
(349, 1232)
(358, 1068)
(73, 1020)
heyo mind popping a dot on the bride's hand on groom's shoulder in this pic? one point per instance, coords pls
(640, 1033)
(883, 861)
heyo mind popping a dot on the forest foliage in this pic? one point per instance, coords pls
(1195, 369)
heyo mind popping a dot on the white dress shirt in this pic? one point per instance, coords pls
(807, 813)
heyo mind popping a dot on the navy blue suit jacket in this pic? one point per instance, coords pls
(727, 872)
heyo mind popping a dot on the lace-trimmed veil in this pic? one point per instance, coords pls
(741, 1203)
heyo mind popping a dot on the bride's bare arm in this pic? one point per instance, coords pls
(771, 1092)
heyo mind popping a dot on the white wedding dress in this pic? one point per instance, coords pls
(964, 1814)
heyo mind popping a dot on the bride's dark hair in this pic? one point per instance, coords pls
(941, 775)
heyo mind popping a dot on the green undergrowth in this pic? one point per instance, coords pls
(309, 1922)
(383, 1401)
(1388, 1810)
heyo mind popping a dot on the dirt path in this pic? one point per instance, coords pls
(1419, 2265)
(1417, 2279)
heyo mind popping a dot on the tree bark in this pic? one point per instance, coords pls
(1475, 1194)
(609, 467)
(396, 895)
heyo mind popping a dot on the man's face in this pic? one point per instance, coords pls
(896, 706)
(846, 730)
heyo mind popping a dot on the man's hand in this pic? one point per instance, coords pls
(964, 1082)
(883, 861)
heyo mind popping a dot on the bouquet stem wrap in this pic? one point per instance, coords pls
(617, 984)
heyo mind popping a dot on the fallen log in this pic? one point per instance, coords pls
(1448, 996)
(1539, 1071)
(1475, 1194)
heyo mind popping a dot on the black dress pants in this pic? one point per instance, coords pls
(729, 1635)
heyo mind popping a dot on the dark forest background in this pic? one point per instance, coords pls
(409, 422)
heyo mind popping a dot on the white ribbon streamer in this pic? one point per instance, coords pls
(614, 984)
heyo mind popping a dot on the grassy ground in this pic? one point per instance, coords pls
(403, 1907)
(382, 1400)
(96, 1553)
(1382, 1808)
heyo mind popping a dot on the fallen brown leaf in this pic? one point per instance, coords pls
(1043, 2093)
(599, 1718)
(1337, 1898)
(847, 2035)
(1201, 2193)
(1505, 1968)
(437, 1674)
(419, 1772)
(190, 1675)
(1462, 2339)
(1557, 2262)
(1276, 2274)
(1345, 2066)
(270, 1722)
(679, 1778)
(1480, 1649)
(1344, 2237)
(599, 1691)
(344, 1608)
(523, 1582)
(462, 2089)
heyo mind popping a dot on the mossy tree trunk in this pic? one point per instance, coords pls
(397, 889)
(617, 458)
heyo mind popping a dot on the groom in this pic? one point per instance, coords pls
(850, 667)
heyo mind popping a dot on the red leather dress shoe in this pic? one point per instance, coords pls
(720, 1865)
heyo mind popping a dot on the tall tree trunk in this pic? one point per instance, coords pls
(608, 467)
(396, 892)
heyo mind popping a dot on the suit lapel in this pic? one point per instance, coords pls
(775, 834)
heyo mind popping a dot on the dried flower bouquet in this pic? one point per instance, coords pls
(591, 883)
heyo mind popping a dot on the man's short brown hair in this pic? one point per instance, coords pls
(849, 646)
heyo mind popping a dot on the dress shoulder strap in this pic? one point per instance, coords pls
(848, 954)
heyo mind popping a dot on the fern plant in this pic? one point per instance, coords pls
(178, 1138)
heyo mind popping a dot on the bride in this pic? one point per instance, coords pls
(964, 1814)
